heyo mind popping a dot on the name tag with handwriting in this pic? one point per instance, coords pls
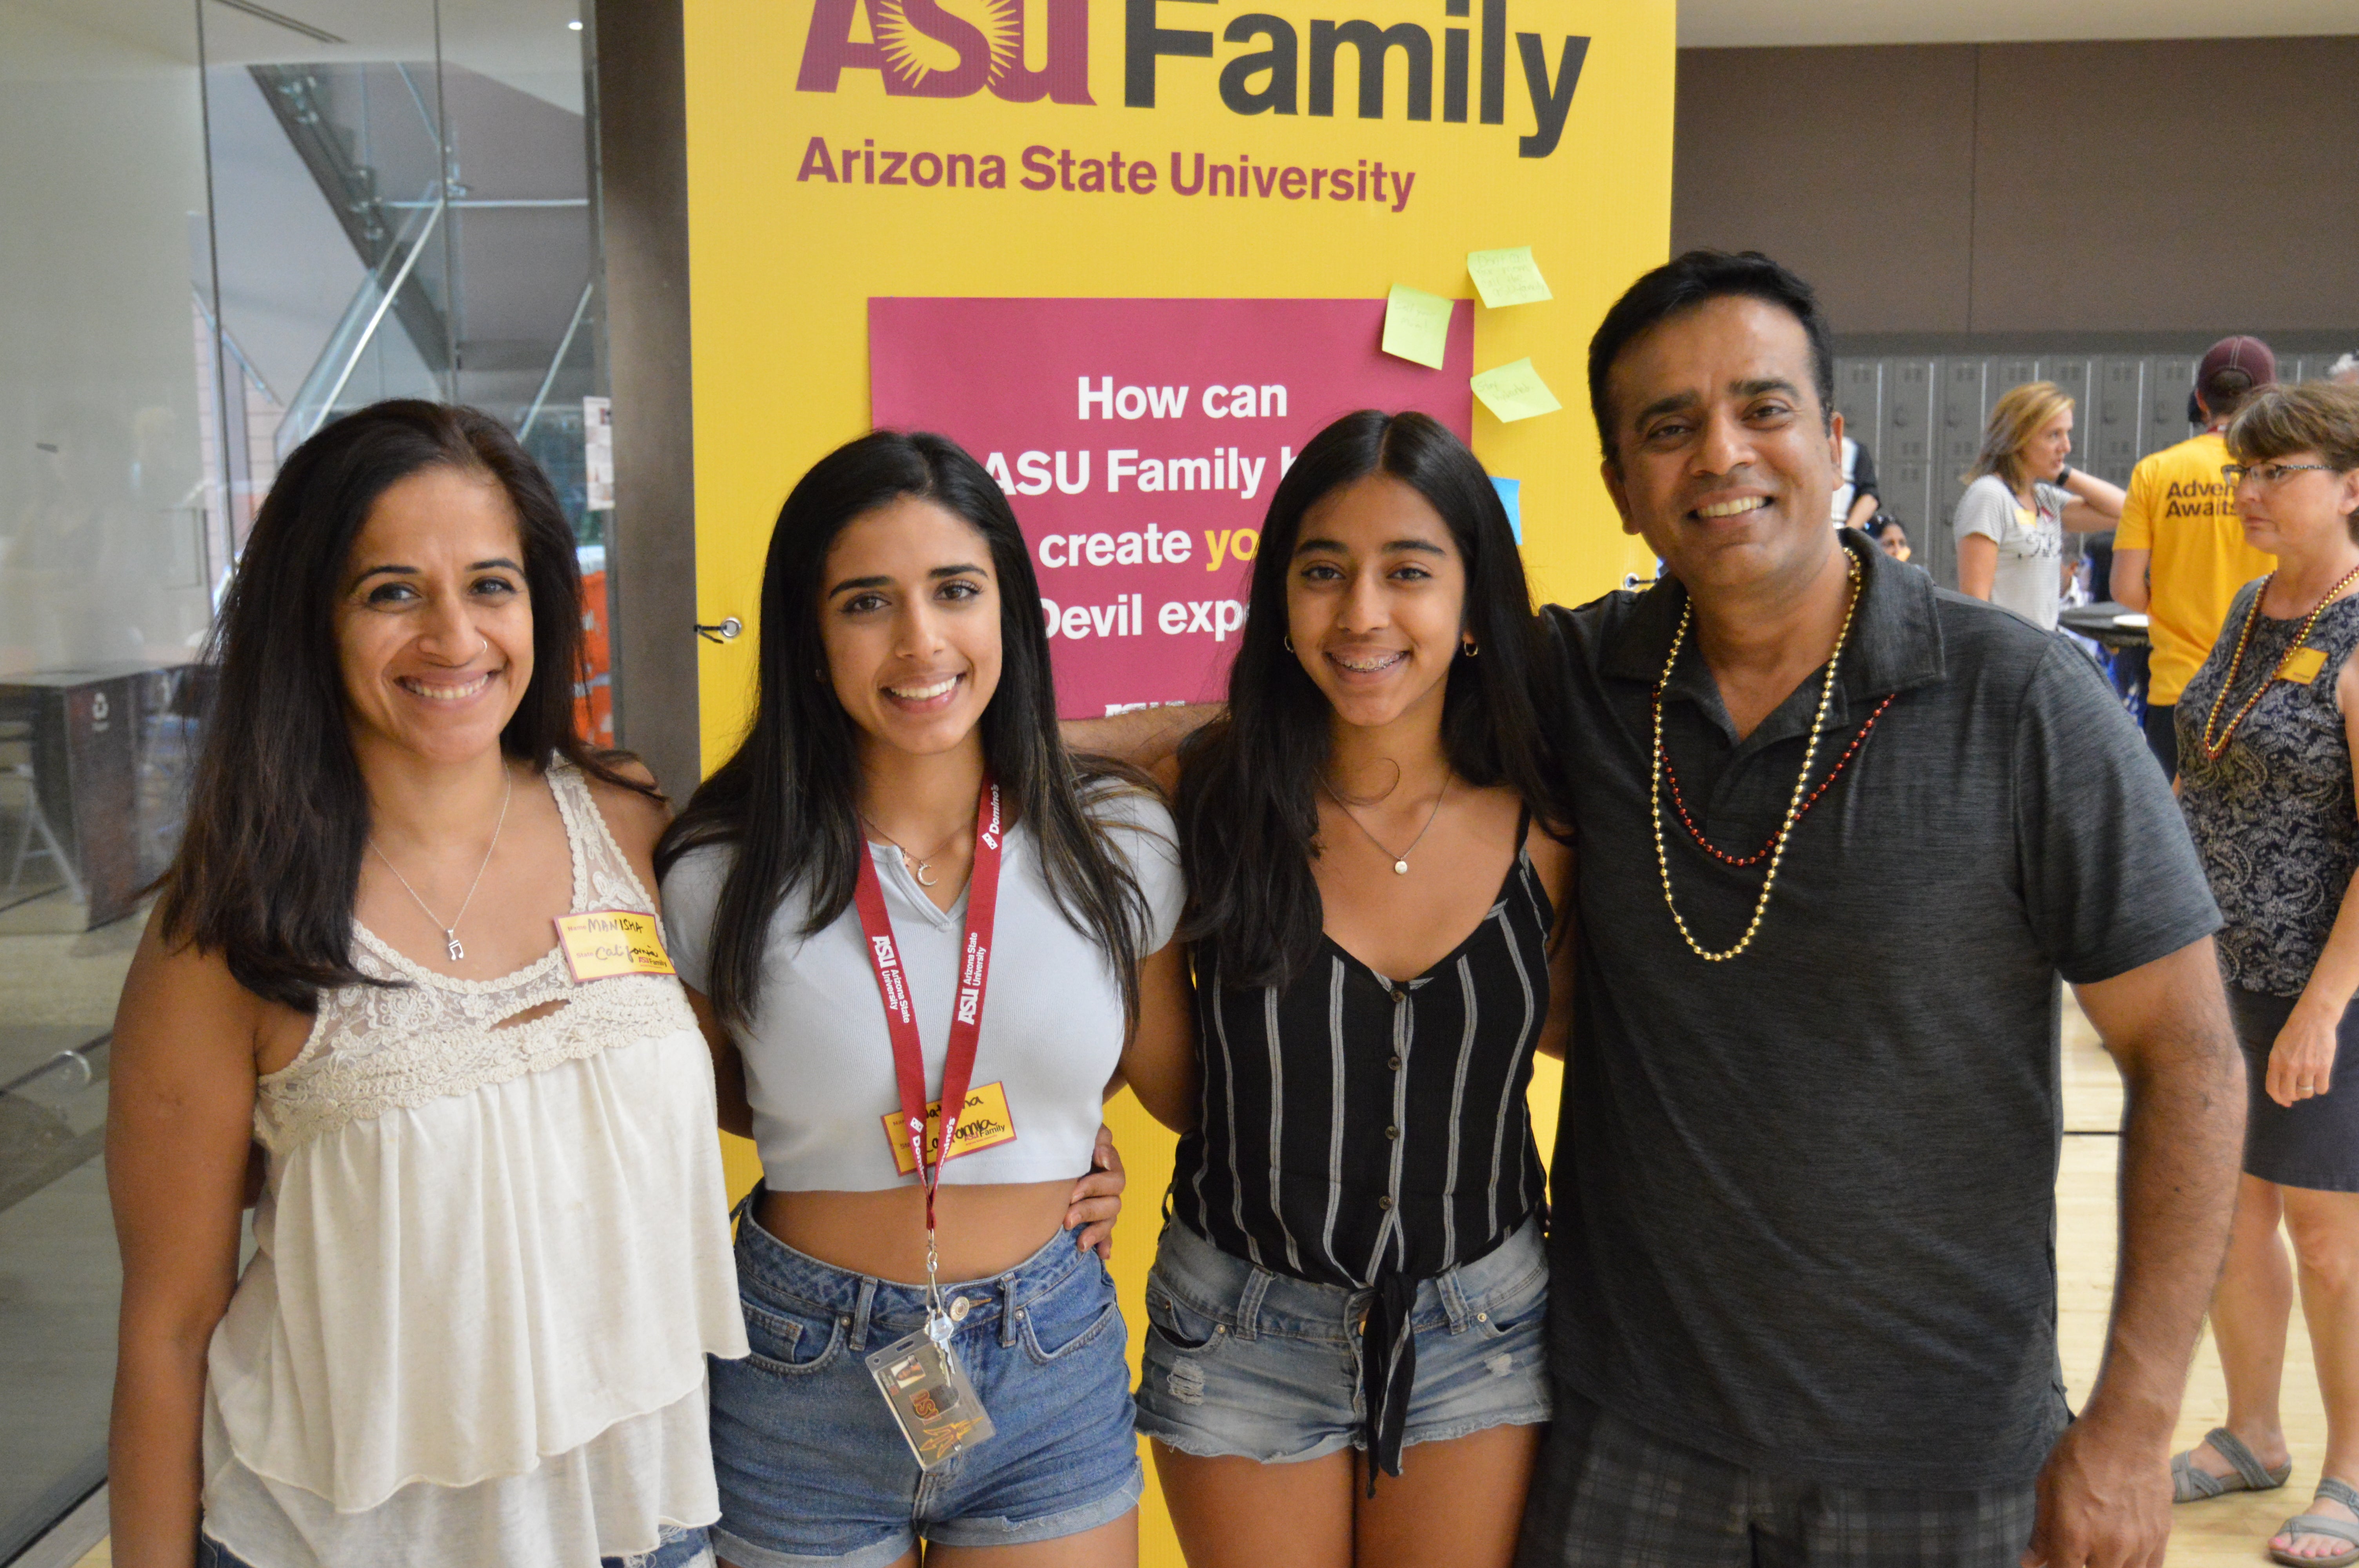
(983, 1124)
(2301, 665)
(603, 943)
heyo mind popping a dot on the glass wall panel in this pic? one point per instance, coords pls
(106, 567)
(226, 223)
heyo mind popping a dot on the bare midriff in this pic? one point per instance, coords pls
(980, 1231)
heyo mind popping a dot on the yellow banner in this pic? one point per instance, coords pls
(844, 150)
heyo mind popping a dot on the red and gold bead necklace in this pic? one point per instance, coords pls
(2214, 747)
(1679, 804)
(1794, 807)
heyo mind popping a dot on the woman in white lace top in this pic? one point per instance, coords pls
(491, 1248)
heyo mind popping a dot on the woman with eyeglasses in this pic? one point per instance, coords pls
(2269, 731)
(2022, 497)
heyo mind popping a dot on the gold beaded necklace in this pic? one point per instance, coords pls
(2212, 748)
(1793, 806)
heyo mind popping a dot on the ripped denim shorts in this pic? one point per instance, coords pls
(1242, 1362)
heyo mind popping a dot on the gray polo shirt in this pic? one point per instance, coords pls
(1804, 1199)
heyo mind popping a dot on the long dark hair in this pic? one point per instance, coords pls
(1248, 807)
(787, 800)
(278, 811)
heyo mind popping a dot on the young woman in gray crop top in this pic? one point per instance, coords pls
(846, 856)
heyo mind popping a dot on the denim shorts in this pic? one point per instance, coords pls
(812, 1466)
(681, 1549)
(1242, 1362)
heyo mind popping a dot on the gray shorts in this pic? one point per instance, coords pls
(1609, 1494)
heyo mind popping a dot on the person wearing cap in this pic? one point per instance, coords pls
(2180, 553)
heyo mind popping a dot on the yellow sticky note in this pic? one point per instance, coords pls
(1417, 325)
(603, 943)
(1514, 391)
(985, 1124)
(2301, 665)
(1507, 278)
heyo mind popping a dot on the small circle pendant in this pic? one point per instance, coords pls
(1400, 867)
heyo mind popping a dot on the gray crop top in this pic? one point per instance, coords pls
(819, 1065)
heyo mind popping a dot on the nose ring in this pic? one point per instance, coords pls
(485, 648)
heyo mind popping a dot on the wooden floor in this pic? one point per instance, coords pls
(2232, 1529)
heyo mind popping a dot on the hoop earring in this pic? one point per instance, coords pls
(1471, 648)
(1289, 642)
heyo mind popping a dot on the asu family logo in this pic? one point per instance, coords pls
(924, 51)
(919, 50)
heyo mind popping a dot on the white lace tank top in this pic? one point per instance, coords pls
(492, 1259)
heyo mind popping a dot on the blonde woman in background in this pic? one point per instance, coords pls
(2021, 498)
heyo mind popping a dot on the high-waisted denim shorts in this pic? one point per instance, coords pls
(812, 1466)
(1242, 1362)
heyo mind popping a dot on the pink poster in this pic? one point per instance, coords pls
(1139, 441)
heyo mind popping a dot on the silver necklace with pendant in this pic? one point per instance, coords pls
(451, 944)
(1401, 862)
(921, 868)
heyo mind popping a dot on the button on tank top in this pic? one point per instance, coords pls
(491, 1258)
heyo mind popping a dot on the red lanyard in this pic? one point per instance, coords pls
(966, 1016)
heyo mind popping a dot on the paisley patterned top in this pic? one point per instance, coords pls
(2273, 818)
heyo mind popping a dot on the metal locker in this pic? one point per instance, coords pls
(2169, 378)
(2011, 372)
(2120, 399)
(1859, 398)
(1966, 395)
(1904, 459)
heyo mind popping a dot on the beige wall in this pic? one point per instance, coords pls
(2189, 186)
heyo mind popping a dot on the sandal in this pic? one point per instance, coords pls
(2341, 1529)
(2191, 1483)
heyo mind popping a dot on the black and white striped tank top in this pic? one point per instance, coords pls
(1355, 1125)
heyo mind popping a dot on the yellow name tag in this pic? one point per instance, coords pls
(603, 942)
(983, 1124)
(2301, 665)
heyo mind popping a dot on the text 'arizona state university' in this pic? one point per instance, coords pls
(1275, 68)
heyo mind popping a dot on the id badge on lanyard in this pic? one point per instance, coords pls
(923, 1384)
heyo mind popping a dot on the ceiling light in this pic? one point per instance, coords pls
(574, 27)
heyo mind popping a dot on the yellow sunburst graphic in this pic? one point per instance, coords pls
(914, 57)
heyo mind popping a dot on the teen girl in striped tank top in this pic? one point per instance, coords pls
(1353, 1266)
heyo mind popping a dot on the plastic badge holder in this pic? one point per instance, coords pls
(935, 1404)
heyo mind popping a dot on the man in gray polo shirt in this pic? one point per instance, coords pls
(1804, 1285)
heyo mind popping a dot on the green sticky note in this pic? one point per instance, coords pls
(1507, 278)
(1417, 325)
(1514, 391)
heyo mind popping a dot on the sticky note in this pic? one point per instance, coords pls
(603, 943)
(2301, 665)
(1511, 496)
(983, 1124)
(1514, 391)
(1507, 278)
(1417, 325)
